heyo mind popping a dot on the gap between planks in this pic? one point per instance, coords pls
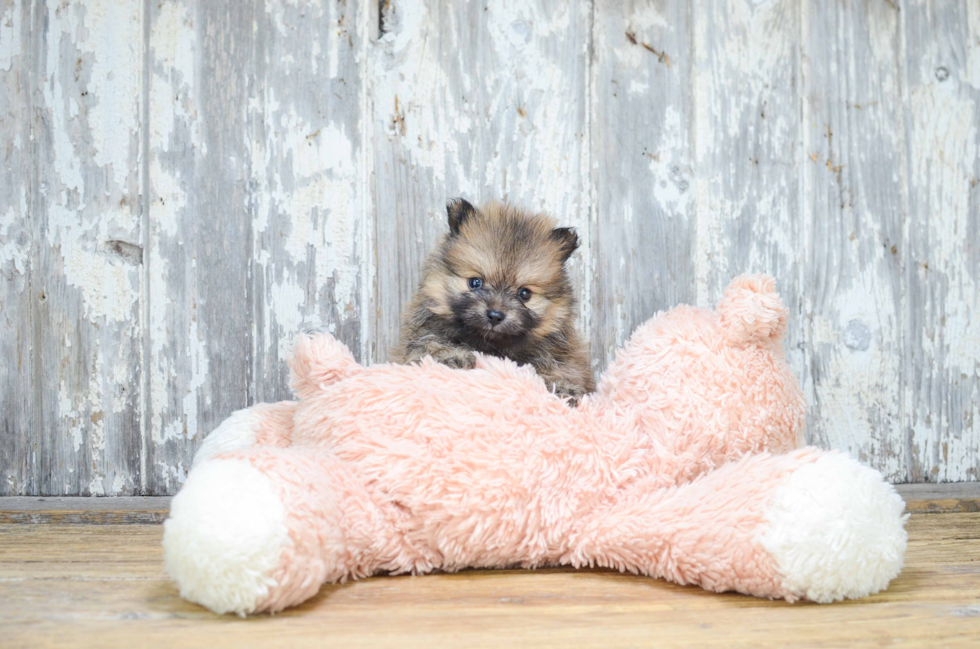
(958, 497)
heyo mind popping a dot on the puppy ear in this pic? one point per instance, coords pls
(458, 210)
(567, 241)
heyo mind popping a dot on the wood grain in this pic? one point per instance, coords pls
(19, 461)
(942, 360)
(187, 183)
(86, 114)
(941, 498)
(642, 181)
(120, 510)
(747, 150)
(306, 146)
(854, 231)
(133, 510)
(201, 207)
(79, 586)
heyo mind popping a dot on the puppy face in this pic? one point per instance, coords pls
(500, 276)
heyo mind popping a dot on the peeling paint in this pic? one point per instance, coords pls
(111, 38)
(943, 375)
(297, 169)
(14, 245)
(198, 364)
(307, 166)
(85, 85)
(10, 44)
(746, 178)
(855, 196)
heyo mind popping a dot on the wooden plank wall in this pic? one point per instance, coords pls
(187, 183)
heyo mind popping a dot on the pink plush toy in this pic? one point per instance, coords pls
(681, 466)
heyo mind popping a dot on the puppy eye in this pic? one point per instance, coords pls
(524, 294)
(475, 283)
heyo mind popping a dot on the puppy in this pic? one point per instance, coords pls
(497, 284)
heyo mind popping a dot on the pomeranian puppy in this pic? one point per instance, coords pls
(497, 284)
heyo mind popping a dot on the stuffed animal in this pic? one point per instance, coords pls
(683, 465)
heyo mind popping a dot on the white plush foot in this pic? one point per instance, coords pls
(224, 535)
(238, 432)
(836, 530)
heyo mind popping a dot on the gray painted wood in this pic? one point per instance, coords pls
(200, 207)
(85, 123)
(143, 510)
(121, 510)
(957, 496)
(18, 459)
(854, 240)
(942, 369)
(747, 135)
(310, 216)
(187, 183)
(643, 238)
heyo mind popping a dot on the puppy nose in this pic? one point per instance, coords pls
(494, 316)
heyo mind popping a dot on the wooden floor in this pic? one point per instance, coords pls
(101, 585)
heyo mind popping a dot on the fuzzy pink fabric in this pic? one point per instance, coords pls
(276, 428)
(704, 534)
(416, 468)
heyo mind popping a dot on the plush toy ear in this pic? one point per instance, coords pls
(319, 360)
(458, 210)
(751, 310)
(567, 240)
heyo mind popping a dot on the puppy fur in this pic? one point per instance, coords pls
(497, 284)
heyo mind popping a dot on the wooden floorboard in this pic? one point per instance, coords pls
(116, 510)
(124, 510)
(941, 498)
(103, 586)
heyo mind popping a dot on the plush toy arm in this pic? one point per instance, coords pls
(809, 524)
(263, 529)
(264, 424)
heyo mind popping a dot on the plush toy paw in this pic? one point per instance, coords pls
(836, 530)
(260, 530)
(223, 538)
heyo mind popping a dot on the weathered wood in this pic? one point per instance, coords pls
(86, 89)
(853, 219)
(187, 183)
(747, 149)
(942, 359)
(139, 510)
(19, 462)
(643, 238)
(307, 162)
(200, 207)
(121, 510)
(94, 585)
(483, 101)
(73, 517)
(941, 498)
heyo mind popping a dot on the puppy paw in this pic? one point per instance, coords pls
(459, 359)
(568, 391)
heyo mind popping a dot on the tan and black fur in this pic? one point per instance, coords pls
(497, 284)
